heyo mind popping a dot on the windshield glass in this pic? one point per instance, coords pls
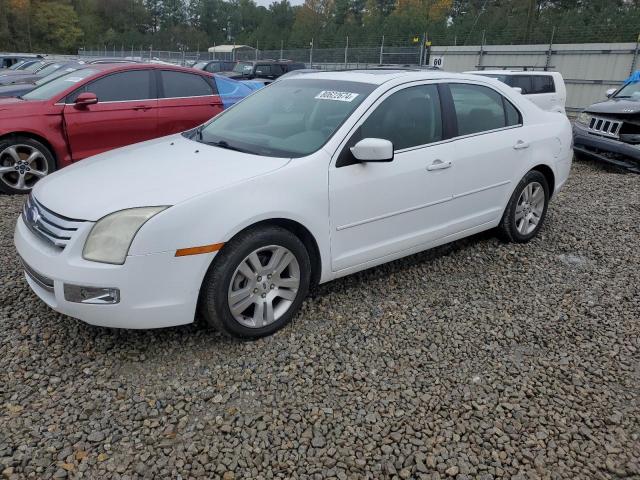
(16, 66)
(631, 90)
(49, 69)
(200, 65)
(33, 67)
(58, 73)
(49, 89)
(292, 118)
(243, 67)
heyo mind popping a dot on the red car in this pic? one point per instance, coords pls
(99, 108)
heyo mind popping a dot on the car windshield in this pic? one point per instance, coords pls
(631, 90)
(243, 67)
(292, 118)
(49, 69)
(57, 73)
(200, 65)
(33, 67)
(16, 66)
(48, 90)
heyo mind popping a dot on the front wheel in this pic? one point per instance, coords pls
(257, 283)
(526, 210)
(23, 161)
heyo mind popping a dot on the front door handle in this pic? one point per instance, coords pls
(438, 165)
(521, 145)
(144, 108)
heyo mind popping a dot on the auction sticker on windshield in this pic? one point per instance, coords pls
(338, 96)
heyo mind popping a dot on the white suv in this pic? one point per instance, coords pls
(545, 89)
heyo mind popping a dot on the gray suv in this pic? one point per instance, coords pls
(609, 131)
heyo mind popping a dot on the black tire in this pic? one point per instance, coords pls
(214, 305)
(508, 229)
(23, 145)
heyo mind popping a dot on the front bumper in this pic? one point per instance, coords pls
(156, 290)
(609, 150)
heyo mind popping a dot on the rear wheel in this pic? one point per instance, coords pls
(23, 161)
(526, 210)
(257, 283)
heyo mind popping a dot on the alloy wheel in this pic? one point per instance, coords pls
(264, 286)
(21, 166)
(529, 208)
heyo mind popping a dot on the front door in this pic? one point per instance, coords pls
(126, 113)
(381, 209)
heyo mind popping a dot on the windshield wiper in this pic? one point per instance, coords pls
(224, 144)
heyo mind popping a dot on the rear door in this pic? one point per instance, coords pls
(491, 149)
(126, 113)
(185, 101)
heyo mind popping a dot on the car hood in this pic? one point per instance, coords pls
(615, 105)
(164, 171)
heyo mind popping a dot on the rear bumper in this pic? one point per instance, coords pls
(156, 290)
(609, 150)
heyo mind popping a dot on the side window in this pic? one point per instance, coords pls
(542, 84)
(521, 81)
(181, 84)
(479, 109)
(119, 87)
(408, 118)
(511, 114)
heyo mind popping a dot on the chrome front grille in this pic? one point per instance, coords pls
(38, 278)
(49, 226)
(605, 126)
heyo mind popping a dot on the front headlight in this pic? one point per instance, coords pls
(584, 118)
(111, 237)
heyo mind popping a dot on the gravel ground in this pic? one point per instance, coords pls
(477, 360)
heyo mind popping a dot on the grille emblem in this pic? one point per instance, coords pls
(33, 214)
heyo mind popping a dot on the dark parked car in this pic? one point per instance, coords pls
(263, 69)
(609, 131)
(99, 108)
(215, 66)
(19, 89)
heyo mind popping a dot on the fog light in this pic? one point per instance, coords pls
(99, 295)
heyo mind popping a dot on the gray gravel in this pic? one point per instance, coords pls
(477, 360)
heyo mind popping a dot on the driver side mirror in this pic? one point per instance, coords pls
(517, 89)
(610, 92)
(373, 150)
(85, 99)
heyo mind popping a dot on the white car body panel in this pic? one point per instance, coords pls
(359, 216)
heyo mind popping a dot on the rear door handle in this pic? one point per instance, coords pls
(521, 145)
(438, 165)
(144, 108)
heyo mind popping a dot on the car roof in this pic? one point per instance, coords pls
(380, 76)
(511, 72)
(116, 67)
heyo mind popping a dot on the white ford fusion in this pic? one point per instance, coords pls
(310, 179)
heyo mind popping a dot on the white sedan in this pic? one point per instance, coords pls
(310, 179)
